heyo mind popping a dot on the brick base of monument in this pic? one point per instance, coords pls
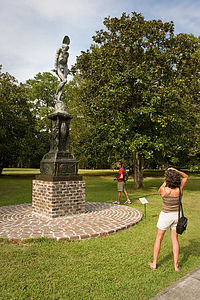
(58, 198)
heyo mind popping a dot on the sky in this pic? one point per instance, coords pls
(32, 30)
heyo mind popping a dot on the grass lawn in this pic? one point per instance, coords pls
(111, 267)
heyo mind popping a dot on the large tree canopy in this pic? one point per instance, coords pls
(25, 128)
(137, 92)
(41, 96)
(16, 123)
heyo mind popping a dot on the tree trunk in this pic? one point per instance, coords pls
(138, 170)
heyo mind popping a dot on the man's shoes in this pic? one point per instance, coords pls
(127, 202)
(116, 202)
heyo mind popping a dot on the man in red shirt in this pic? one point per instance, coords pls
(121, 185)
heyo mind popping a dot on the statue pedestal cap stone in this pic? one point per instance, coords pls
(59, 190)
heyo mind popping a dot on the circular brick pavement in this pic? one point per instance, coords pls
(20, 222)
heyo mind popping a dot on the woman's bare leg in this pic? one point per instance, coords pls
(157, 245)
(175, 246)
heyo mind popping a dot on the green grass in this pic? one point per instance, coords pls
(111, 267)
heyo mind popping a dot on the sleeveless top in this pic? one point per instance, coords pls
(170, 204)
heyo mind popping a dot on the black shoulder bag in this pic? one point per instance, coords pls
(182, 220)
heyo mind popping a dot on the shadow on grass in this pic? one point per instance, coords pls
(193, 249)
(143, 196)
(18, 176)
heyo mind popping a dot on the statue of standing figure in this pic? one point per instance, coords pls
(61, 67)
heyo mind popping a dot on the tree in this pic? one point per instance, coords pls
(132, 90)
(188, 86)
(16, 123)
(79, 131)
(41, 97)
(86, 146)
(42, 91)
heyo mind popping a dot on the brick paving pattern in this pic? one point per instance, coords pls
(20, 222)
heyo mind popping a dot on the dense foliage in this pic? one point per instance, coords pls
(140, 88)
(16, 123)
(24, 133)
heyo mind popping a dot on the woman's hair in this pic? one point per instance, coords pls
(172, 179)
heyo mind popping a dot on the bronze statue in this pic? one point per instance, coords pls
(61, 67)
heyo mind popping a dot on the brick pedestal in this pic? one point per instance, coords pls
(58, 198)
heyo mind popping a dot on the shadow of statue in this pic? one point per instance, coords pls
(97, 206)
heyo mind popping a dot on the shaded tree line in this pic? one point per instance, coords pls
(24, 129)
(134, 96)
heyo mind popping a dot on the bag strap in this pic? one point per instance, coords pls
(180, 208)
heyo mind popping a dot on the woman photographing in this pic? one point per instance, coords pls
(169, 191)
